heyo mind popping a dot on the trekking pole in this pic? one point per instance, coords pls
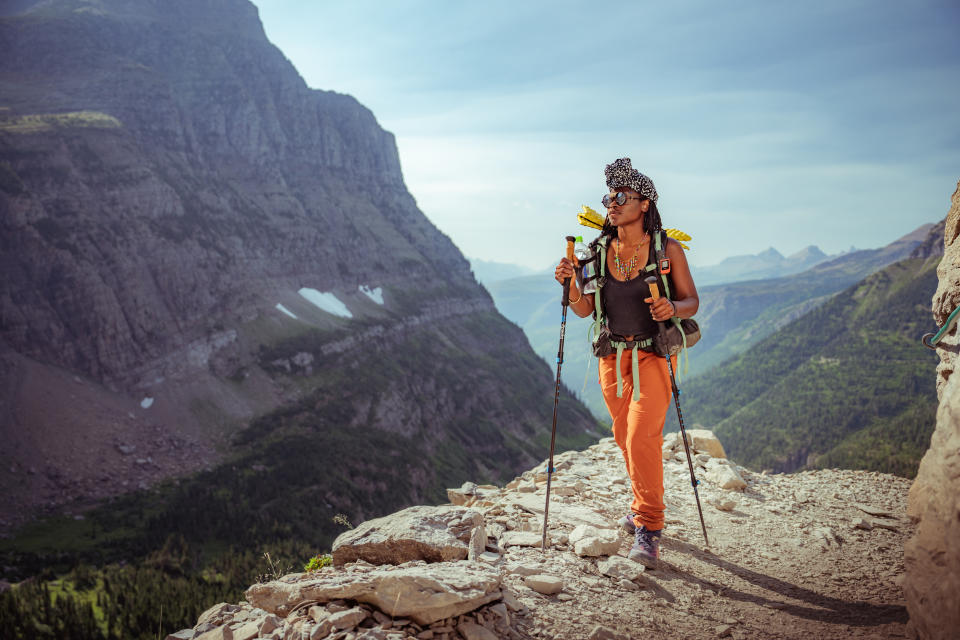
(556, 393)
(655, 293)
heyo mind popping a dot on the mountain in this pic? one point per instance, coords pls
(738, 315)
(764, 265)
(845, 385)
(209, 266)
(733, 316)
(487, 271)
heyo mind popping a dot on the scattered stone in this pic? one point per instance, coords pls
(247, 631)
(489, 557)
(348, 619)
(473, 631)
(216, 613)
(589, 541)
(605, 633)
(619, 567)
(183, 634)
(523, 569)
(522, 539)
(862, 523)
(510, 600)
(541, 583)
(827, 537)
(726, 477)
(724, 504)
(629, 585)
(478, 542)
(883, 524)
(461, 496)
(873, 511)
(723, 631)
(704, 441)
(217, 633)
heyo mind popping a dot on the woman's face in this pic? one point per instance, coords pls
(630, 211)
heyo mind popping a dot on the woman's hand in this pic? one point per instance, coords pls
(662, 309)
(564, 270)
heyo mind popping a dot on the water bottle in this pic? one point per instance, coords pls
(588, 264)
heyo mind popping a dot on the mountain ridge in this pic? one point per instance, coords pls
(852, 371)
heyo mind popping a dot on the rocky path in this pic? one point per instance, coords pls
(807, 555)
(795, 556)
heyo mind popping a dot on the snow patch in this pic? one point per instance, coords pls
(326, 301)
(286, 311)
(146, 403)
(374, 294)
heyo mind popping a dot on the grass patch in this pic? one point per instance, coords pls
(42, 122)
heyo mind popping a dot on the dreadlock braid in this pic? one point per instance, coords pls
(651, 219)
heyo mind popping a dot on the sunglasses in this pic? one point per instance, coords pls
(620, 198)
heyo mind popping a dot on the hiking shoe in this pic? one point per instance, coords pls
(646, 547)
(627, 525)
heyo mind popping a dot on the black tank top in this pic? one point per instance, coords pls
(627, 313)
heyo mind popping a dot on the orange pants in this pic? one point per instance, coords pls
(638, 428)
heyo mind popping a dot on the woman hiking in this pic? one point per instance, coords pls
(637, 393)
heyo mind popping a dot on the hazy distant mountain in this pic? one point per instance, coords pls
(760, 266)
(487, 271)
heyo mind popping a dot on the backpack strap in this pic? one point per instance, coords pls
(599, 318)
(660, 257)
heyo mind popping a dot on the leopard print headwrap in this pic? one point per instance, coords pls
(621, 174)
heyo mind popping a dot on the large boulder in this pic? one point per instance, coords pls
(424, 593)
(705, 442)
(932, 555)
(433, 534)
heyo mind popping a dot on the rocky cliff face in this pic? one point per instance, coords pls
(166, 181)
(932, 555)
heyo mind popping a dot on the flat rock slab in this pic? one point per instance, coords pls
(423, 592)
(570, 514)
(432, 534)
(522, 539)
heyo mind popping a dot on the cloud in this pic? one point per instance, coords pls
(828, 123)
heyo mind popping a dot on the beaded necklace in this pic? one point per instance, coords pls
(626, 269)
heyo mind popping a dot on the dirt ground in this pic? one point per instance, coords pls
(786, 561)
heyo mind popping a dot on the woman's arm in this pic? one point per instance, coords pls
(582, 305)
(684, 300)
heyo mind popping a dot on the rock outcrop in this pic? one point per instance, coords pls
(932, 556)
(813, 554)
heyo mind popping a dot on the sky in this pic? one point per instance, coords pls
(830, 123)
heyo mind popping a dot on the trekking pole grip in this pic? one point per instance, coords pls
(566, 282)
(654, 289)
